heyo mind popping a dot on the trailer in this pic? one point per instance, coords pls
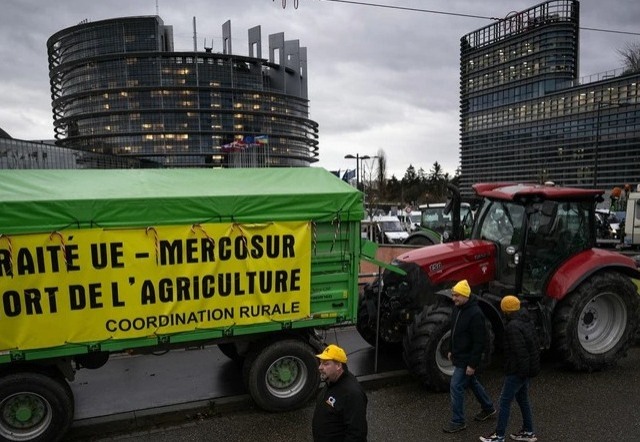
(97, 262)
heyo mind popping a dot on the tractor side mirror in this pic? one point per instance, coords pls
(453, 207)
(512, 252)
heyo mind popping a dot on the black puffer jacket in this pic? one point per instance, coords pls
(468, 334)
(521, 346)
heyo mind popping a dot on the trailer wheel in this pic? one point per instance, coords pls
(426, 345)
(34, 407)
(283, 375)
(595, 324)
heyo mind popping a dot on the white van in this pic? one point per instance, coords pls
(388, 230)
(410, 220)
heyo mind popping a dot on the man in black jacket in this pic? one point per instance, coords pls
(521, 363)
(341, 409)
(468, 341)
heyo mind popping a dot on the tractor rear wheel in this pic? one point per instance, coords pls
(595, 324)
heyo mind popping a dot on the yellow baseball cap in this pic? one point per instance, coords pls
(333, 353)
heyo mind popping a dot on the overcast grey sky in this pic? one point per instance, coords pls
(378, 78)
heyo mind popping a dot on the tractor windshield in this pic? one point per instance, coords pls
(391, 226)
(500, 222)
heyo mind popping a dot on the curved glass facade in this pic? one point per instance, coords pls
(118, 88)
(525, 116)
(22, 154)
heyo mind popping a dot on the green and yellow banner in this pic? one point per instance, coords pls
(89, 285)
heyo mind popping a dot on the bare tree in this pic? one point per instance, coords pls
(381, 178)
(631, 57)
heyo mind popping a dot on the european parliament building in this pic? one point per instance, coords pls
(119, 89)
(24, 154)
(526, 116)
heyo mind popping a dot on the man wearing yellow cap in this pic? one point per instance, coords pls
(521, 363)
(341, 408)
(468, 341)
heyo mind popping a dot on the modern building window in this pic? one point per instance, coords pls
(527, 117)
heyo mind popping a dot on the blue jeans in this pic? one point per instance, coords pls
(518, 388)
(459, 382)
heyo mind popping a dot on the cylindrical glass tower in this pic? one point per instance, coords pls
(118, 88)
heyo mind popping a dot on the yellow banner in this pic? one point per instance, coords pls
(95, 284)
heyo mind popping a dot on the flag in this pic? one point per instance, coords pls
(349, 175)
(234, 146)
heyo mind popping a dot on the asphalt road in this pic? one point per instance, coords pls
(601, 406)
(137, 388)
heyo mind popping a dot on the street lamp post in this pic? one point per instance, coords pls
(358, 159)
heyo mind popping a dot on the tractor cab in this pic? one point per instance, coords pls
(533, 236)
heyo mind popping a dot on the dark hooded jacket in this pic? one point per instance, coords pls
(521, 346)
(468, 334)
(341, 411)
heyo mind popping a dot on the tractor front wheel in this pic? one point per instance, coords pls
(368, 318)
(426, 345)
(595, 324)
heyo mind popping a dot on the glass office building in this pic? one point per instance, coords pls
(525, 114)
(119, 88)
(23, 154)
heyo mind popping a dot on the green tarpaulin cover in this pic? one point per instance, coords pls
(48, 200)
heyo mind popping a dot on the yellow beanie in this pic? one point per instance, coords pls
(462, 288)
(510, 304)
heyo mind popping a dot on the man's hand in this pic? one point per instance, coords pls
(470, 371)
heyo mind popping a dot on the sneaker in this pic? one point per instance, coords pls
(492, 438)
(485, 414)
(452, 427)
(524, 436)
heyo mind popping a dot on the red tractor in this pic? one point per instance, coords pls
(533, 241)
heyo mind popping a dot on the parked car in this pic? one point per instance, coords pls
(384, 230)
(607, 227)
(410, 220)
